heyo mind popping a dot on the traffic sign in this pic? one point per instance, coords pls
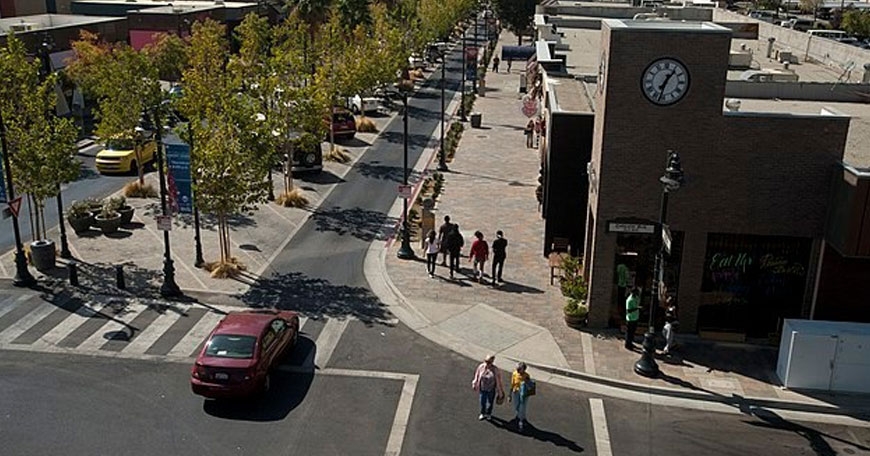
(405, 191)
(164, 222)
(15, 206)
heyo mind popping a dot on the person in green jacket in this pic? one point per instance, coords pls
(632, 315)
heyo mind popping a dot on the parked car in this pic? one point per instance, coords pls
(119, 156)
(416, 61)
(307, 154)
(343, 124)
(769, 75)
(241, 351)
(360, 104)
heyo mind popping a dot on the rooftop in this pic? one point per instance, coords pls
(47, 21)
(665, 25)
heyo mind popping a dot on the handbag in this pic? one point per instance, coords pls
(499, 398)
(529, 387)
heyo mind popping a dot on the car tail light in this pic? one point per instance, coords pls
(199, 371)
(250, 373)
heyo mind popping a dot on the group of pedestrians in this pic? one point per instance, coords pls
(632, 315)
(535, 129)
(487, 382)
(449, 242)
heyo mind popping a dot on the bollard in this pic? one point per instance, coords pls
(73, 273)
(119, 277)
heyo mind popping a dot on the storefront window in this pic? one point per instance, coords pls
(752, 282)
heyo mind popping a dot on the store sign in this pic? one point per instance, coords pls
(164, 222)
(180, 183)
(631, 228)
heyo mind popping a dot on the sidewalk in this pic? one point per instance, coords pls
(491, 186)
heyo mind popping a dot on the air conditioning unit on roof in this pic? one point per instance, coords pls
(22, 27)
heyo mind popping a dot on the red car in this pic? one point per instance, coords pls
(343, 124)
(240, 352)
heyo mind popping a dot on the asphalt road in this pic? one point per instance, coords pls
(72, 404)
(90, 184)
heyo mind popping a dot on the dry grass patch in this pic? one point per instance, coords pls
(338, 155)
(136, 190)
(366, 125)
(224, 270)
(418, 74)
(293, 198)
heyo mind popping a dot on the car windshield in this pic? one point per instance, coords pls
(229, 346)
(120, 144)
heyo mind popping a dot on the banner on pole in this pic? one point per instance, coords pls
(179, 181)
(471, 63)
(2, 180)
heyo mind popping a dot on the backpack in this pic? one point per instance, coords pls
(528, 388)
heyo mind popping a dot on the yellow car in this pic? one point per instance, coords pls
(119, 156)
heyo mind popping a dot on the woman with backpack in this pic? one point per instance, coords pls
(522, 387)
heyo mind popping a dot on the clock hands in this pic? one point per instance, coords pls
(665, 83)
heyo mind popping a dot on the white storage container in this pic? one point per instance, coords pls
(825, 355)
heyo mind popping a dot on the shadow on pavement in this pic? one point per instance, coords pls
(286, 393)
(414, 139)
(538, 434)
(816, 439)
(360, 223)
(393, 173)
(315, 297)
(323, 177)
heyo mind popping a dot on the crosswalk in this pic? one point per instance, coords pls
(131, 328)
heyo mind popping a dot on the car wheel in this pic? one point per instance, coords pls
(267, 383)
(309, 159)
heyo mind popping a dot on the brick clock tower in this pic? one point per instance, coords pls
(660, 86)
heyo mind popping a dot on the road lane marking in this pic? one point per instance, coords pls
(599, 426)
(26, 322)
(185, 347)
(9, 307)
(114, 322)
(152, 332)
(68, 325)
(328, 340)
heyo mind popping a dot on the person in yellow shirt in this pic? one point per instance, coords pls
(520, 393)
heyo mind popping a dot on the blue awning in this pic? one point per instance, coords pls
(517, 52)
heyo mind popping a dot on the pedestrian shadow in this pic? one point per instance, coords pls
(513, 287)
(510, 182)
(287, 391)
(530, 430)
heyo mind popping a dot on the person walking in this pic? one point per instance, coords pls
(499, 247)
(538, 125)
(632, 315)
(487, 382)
(431, 246)
(495, 62)
(509, 65)
(479, 254)
(529, 131)
(454, 247)
(522, 387)
(443, 231)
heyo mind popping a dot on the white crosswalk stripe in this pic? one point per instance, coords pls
(196, 335)
(28, 321)
(116, 322)
(149, 335)
(68, 325)
(12, 302)
(328, 340)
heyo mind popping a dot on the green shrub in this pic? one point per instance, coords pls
(575, 308)
(572, 283)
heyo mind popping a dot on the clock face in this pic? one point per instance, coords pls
(602, 68)
(665, 81)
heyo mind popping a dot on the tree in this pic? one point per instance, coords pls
(811, 6)
(354, 13)
(856, 23)
(125, 82)
(223, 120)
(517, 15)
(41, 146)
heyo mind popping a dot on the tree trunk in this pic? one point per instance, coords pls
(41, 207)
(519, 39)
(140, 165)
(30, 215)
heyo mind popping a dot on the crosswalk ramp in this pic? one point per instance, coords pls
(135, 329)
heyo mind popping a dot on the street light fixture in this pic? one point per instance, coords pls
(405, 251)
(671, 181)
(169, 288)
(442, 156)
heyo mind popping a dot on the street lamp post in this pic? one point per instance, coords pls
(442, 158)
(197, 237)
(169, 288)
(23, 277)
(405, 251)
(671, 181)
(462, 99)
(476, 46)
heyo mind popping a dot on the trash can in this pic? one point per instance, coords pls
(476, 118)
(481, 87)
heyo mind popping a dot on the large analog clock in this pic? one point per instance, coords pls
(665, 81)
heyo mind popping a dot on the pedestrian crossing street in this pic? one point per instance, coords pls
(128, 328)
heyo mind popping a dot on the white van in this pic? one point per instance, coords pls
(769, 75)
(830, 34)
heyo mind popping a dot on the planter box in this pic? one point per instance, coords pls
(42, 255)
(108, 225)
(126, 214)
(81, 225)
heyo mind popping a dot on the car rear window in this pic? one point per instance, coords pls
(226, 346)
(120, 144)
(342, 117)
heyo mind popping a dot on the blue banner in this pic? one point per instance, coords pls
(2, 180)
(180, 183)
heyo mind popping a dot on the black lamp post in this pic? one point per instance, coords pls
(671, 181)
(23, 277)
(405, 251)
(476, 46)
(197, 237)
(462, 99)
(442, 156)
(169, 288)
